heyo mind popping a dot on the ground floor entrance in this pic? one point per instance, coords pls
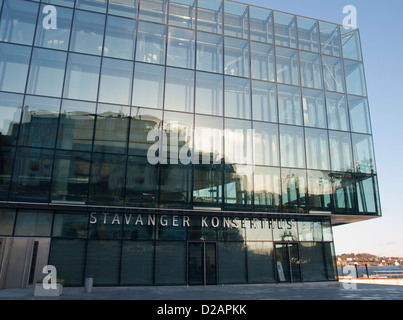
(288, 264)
(202, 263)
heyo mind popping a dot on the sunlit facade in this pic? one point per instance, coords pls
(156, 142)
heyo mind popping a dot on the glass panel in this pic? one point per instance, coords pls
(237, 98)
(311, 70)
(308, 34)
(209, 93)
(363, 153)
(116, 81)
(176, 186)
(289, 105)
(261, 24)
(319, 191)
(260, 262)
(137, 263)
(365, 194)
(170, 262)
(182, 13)
(238, 186)
(211, 263)
(103, 261)
(18, 21)
(141, 183)
(266, 145)
(313, 106)
(92, 5)
(46, 75)
(266, 189)
(106, 225)
(88, 32)
(179, 90)
(111, 129)
(33, 223)
(283, 263)
(258, 229)
(148, 85)
(207, 185)
(285, 28)
(68, 256)
(330, 38)
(310, 230)
(284, 229)
(337, 113)
(70, 225)
(208, 139)
(82, 77)
(7, 155)
(317, 149)
(350, 39)
(343, 193)
(295, 262)
(151, 40)
(124, 8)
(231, 262)
(70, 177)
(56, 38)
(262, 61)
(107, 179)
(10, 117)
(39, 122)
(13, 67)
(154, 10)
(327, 231)
(340, 151)
(359, 114)
(196, 263)
(139, 226)
(7, 218)
(287, 66)
(355, 79)
(333, 74)
(142, 122)
(209, 55)
(238, 141)
(66, 3)
(181, 48)
(76, 125)
(264, 101)
(294, 188)
(210, 15)
(292, 146)
(120, 38)
(313, 266)
(236, 57)
(236, 20)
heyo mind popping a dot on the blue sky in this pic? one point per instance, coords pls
(382, 45)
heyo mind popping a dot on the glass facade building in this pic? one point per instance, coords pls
(174, 142)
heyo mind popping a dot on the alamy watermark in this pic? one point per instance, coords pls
(350, 20)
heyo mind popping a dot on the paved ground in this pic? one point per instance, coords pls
(338, 291)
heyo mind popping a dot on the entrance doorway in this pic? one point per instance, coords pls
(202, 263)
(287, 262)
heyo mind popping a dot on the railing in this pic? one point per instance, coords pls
(388, 274)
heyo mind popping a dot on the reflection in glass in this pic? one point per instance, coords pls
(237, 98)
(116, 81)
(82, 77)
(10, 117)
(208, 139)
(137, 264)
(39, 122)
(260, 262)
(170, 265)
(330, 38)
(176, 186)
(308, 34)
(313, 266)
(289, 105)
(182, 13)
(154, 10)
(343, 193)
(319, 191)
(179, 90)
(350, 39)
(7, 218)
(317, 149)
(355, 79)
(261, 24)
(231, 262)
(7, 155)
(285, 28)
(236, 57)
(236, 19)
(92, 5)
(46, 74)
(365, 194)
(359, 114)
(120, 38)
(294, 188)
(333, 74)
(262, 61)
(33, 223)
(264, 101)
(209, 93)
(313, 106)
(76, 125)
(292, 146)
(125, 8)
(337, 112)
(181, 48)
(18, 21)
(87, 33)
(207, 185)
(148, 85)
(311, 70)
(266, 144)
(266, 189)
(151, 40)
(56, 38)
(209, 56)
(287, 66)
(340, 151)
(238, 186)
(363, 153)
(238, 138)
(70, 177)
(13, 67)
(309, 230)
(210, 15)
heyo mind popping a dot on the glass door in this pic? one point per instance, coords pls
(287, 262)
(202, 269)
